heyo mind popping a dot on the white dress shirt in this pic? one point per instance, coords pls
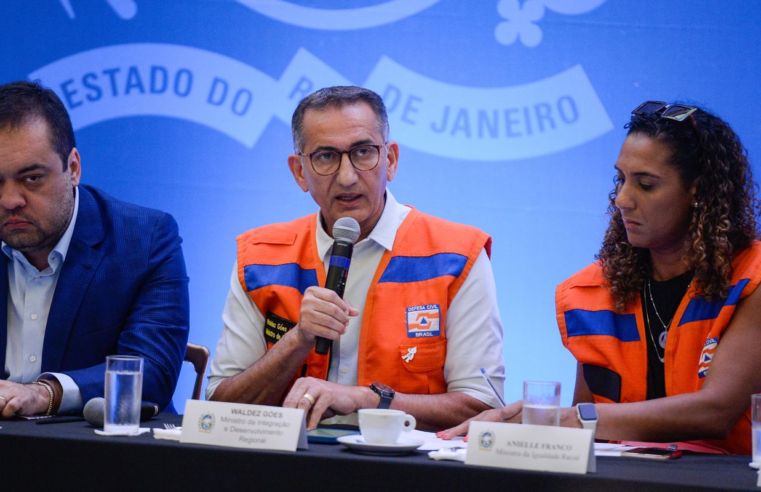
(30, 294)
(473, 324)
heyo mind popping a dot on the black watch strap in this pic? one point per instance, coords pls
(385, 392)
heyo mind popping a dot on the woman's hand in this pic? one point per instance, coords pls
(511, 414)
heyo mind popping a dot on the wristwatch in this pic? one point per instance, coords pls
(385, 392)
(587, 413)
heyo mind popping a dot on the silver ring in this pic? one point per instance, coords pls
(309, 398)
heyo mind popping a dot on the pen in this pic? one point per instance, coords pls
(491, 385)
(61, 420)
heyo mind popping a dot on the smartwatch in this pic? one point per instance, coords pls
(587, 413)
(385, 392)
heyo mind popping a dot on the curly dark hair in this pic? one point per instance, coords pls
(706, 151)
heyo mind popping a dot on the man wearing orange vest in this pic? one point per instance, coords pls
(419, 316)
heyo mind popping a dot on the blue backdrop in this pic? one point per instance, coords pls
(509, 115)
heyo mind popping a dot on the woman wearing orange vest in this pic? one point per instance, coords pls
(666, 325)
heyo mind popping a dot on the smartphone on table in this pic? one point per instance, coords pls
(328, 436)
(653, 453)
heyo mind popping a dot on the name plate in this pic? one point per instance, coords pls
(243, 426)
(531, 447)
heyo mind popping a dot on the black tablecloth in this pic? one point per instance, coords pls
(72, 457)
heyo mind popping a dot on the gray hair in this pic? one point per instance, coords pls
(337, 97)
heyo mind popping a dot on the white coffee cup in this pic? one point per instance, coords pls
(384, 426)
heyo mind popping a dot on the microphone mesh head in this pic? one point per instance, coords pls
(346, 229)
(95, 412)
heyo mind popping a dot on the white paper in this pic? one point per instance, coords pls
(452, 454)
(433, 443)
(610, 449)
(170, 434)
(141, 430)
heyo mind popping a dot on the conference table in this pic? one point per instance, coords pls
(72, 457)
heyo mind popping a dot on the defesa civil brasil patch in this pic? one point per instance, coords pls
(423, 321)
(706, 356)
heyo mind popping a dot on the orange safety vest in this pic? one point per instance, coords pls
(406, 305)
(612, 346)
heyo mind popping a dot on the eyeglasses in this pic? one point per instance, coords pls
(676, 112)
(363, 157)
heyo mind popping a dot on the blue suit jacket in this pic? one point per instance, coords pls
(122, 290)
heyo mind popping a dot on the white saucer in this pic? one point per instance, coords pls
(754, 465)
(355, 442)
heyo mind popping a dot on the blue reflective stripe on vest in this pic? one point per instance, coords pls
(700, 310)
(403, 269)
(579, 322)
(289, 275)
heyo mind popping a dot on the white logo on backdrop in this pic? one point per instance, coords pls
(438, 118)
(126, 9)
(521, 19)
(338, 19)
(459, 122)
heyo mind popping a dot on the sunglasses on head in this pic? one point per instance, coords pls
(676, 112)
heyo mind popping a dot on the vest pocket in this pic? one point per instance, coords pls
(603, 382)
(423, 367)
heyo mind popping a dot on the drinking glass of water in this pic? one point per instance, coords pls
(541, 403)
(123, 393)
(755, 405)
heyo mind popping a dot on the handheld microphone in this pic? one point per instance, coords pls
(95, 411)
(346, 232)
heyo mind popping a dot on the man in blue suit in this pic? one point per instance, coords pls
(82, 275)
